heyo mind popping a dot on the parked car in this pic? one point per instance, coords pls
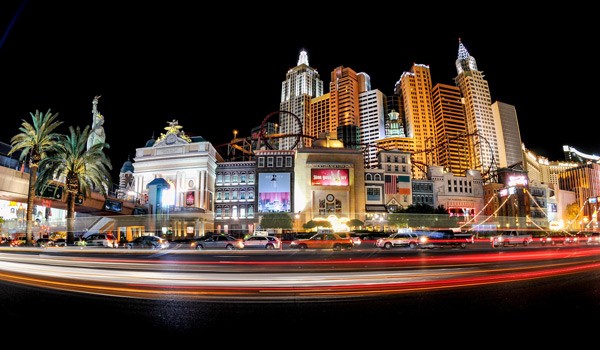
(60, 242)
(400, 239)
(219, 242)
(148, 242)
(263, 242)
(44, 242)
(101, 240)
(183, 243)
(323, 241)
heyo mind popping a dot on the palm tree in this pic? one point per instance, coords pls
(33, 142)
(82, 169)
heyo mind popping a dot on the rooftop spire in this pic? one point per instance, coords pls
(462, 51)
(303, 59)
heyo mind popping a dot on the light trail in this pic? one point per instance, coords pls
(201, 280)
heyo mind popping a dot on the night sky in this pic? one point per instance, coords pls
(224, 66)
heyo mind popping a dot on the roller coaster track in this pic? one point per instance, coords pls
(488, 174)
(246, 146)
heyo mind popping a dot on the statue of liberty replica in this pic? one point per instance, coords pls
(96, 135)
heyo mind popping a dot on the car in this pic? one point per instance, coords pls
(399, 239)
(373, 236)
(18, 241)
(443, 238)
(593, 238)
(148, 242)
(356, 241)
(219, 242)
(44, 242)
(101, 240)
(60, 242)
(577, 238)
(183, 243)
(555, 238)
(262, 242)
(323, 241)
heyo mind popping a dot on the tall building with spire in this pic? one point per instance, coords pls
(478, 111)
(302, 83)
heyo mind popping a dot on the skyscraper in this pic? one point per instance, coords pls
(416, 97)
(302, 83)
(478, 111)
(454, 151)
(509, 141)
(372, 123)
(320, 117)
(344, 89)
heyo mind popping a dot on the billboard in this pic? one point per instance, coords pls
(274, 191)
(329, 177)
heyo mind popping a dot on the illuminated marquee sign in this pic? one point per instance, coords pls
(329, 177)
(517, 180)
(503, 192)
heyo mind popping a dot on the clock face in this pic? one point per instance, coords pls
(329, 198)
(171, 138)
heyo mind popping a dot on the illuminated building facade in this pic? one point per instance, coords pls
(320, 120)
(584, 180)
(478, 110)
(275, 179)
(418, 111)
(372, 123)
(302, 83)
(542, 170)
(189, 166)
(235, 200)
(394, 117)
(462, 196)
(454, 148)
(515, 203)
(509, 137)
(329, 182)
(343, 90)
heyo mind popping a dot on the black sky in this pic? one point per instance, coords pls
(224, 66)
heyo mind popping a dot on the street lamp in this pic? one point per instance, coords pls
(297, 221)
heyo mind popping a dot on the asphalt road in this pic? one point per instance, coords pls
(535, 292)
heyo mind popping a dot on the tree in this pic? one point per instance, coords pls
(276, 221)
(355, 223)
(33, 142)
(82, 169)
(309, 225)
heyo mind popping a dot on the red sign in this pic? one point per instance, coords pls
(189, 198)
(329, 177)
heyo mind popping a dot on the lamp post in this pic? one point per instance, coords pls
(297, 222)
